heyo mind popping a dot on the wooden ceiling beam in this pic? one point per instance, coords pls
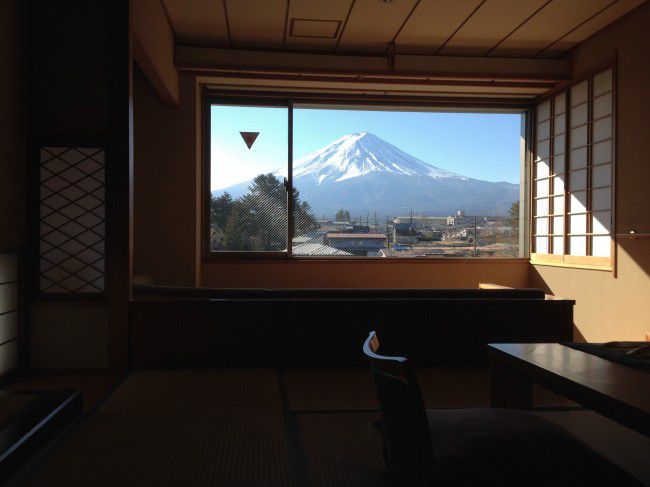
(206, 59)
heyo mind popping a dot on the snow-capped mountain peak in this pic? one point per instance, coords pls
(362, 154)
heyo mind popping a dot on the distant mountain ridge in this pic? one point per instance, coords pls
(364, 173)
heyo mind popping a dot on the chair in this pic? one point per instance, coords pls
(460, 447)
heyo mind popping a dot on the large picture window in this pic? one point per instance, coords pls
(332, 181)
(573, 175)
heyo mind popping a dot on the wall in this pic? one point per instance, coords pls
(13, 125)
(608, 306)
(166, 220)
(164, 184)
(367, 274)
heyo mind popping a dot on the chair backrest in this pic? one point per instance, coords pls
(404, 418)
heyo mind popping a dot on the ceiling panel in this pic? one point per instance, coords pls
(199, 21)
(551, 23)
(257, 23)
(590, 27)
(493, 21)
(373, 24)
(330, 10)
(432, 23)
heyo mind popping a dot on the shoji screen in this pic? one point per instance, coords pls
(573, 174)
(8, 313)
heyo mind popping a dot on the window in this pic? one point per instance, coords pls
(573, 174)
(365, 182)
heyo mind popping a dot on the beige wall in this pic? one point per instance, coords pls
(13, 126)
(365, 274)
(164, 184)
(610, 307)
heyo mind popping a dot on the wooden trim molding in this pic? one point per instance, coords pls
(573, 261)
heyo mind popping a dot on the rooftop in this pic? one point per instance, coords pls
(357, 235)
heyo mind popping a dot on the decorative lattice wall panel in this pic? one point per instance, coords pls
(72, 220)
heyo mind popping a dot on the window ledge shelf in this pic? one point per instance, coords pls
(573, 261)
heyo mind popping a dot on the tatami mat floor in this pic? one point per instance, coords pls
(268, 427)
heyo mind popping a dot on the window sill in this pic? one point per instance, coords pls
(215, 259)
(573, 261)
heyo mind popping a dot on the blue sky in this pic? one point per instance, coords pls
(478, 145)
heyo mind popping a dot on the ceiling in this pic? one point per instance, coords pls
(497, 28)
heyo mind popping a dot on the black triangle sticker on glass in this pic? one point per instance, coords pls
(249, 138)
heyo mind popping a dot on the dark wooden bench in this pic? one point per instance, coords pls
(188, 327)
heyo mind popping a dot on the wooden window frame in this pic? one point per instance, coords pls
(210, 97)
(564, 259)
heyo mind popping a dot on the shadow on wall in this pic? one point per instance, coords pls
(608, 306)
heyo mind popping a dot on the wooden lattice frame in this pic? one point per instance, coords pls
(72, 221)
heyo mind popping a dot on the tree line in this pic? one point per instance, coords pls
(257, 221)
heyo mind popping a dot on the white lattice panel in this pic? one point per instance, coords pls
(72, 220)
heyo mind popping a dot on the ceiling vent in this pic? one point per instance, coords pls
(315, 28)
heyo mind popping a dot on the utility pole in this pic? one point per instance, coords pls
(475, 238)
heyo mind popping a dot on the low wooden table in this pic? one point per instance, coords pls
(616, 391)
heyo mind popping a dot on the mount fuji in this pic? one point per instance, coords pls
(363, 173)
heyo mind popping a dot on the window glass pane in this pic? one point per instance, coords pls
(579, 115)
(578, 180)
(578, 137)
(560, 125)
(602, 106)
(578, 224)
(602, 82)
(558, 184)
(602, 129)
(558, 205)
(542, 169)
(602, 152)
(544, 130)
(601, 222)
(558, 144)
(382, 182)
(560, 102)
(558, 164)
(558, 225)
(543, 111)
(541, 226)
(578, 158)
(541, 245)
(578, 202)
(601, 176)
(248, 162)
(579, 93)
(541, 187)
(578, 245)
(601, 199)
(541, 206)
(558, 245)
(601, 246)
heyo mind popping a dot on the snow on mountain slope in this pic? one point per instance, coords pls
(357, 155)
(363, 173)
